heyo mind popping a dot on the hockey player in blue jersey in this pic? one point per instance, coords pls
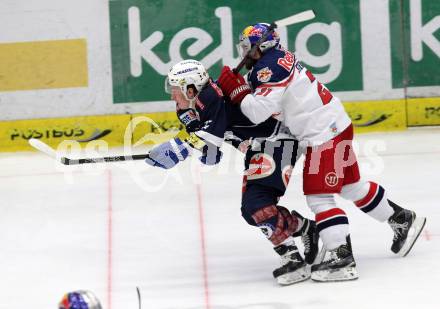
(270, 154)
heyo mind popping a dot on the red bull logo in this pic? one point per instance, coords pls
(258, 32)
(264, 75)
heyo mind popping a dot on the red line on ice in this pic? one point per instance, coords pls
(427, 235)
(109, 238)
(203, 245)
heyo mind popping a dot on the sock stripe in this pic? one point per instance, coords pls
(369, 197)
(328, 214)
(331, 222)
(375, 202)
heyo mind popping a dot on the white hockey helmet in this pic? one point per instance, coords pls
(186, 73)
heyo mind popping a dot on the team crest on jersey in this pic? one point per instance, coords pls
(331, 179)
(264, 75)
(261, 165)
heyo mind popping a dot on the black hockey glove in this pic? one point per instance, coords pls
(190, 119)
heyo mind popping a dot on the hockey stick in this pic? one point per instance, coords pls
(139, 297)
(294, 19)
(46, 149)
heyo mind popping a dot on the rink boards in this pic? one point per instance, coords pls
(132, 129)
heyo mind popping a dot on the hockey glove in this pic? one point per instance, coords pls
(189, 118)
(233, 85)
(168, 154)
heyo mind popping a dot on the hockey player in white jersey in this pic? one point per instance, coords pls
(279, 86)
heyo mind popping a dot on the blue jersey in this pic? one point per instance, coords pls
(275, 66)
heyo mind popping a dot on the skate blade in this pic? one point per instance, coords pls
(299, 275)
(413, 234)
(344, 274)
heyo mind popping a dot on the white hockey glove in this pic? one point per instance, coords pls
(168, 154)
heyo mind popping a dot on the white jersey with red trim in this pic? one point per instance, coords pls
(286, 90)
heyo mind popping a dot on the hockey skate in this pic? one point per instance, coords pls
(293, 267)
(337, 265)
(310, 238)
(407, 228)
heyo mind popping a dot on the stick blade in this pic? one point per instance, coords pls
(297, 18)
(43, 147)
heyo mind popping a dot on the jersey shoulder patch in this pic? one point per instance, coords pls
(264, 75)
(275, 66)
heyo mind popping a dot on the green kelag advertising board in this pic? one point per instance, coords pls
(149, 36)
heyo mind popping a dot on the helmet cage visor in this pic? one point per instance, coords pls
(243, 47)
(173, 84)
(167, 85)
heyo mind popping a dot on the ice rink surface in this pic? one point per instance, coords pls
(180, 238)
